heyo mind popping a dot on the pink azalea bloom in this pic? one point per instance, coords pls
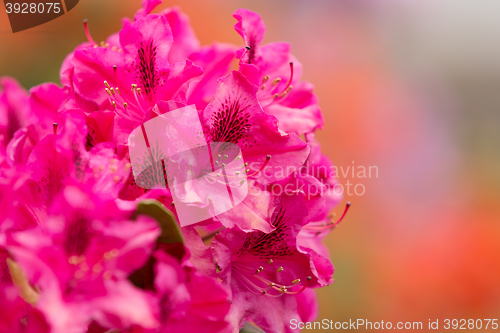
(78, 250)
(14, 111)
(189, 301)
(277, 73)
(215, 61)
(19, 207)
(80, 260)
(236, 116)
(266, 271)
(184, 38)
(56, 160)
(17, 315)
(321, 168)
(132, 76)
(45, 104)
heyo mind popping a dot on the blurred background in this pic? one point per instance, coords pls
(411, 87)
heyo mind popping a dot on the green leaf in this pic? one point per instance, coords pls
(249, 328)
(171, 233)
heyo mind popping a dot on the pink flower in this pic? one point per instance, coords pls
(236, 116)
(42, 114)
(131, 74)
(277, 73)
(17, 315)
(56, 160)
(215, 61)
(80, 260)
(79, 249)
(266, 270)
(321, 168)
(189, 301)
(184, 38)
(14, 111)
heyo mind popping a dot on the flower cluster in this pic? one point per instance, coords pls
(85, 247)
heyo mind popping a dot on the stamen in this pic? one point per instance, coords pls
(291, 77)
(106, 84)
(115, 68)
(280, 269)
(270, 261)
(326, 226)
(283, 94)
(54, 127)
(248, 48)
(268, 158)
(264, 80)
(136, 91)
(87, 32)
(301, 289)
(109, 92)
(273, 96)
(259, 284)
(347, 206)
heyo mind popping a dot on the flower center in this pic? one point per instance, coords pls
(260, 283)
(132, 110)
(231, 122)
(270, 91)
